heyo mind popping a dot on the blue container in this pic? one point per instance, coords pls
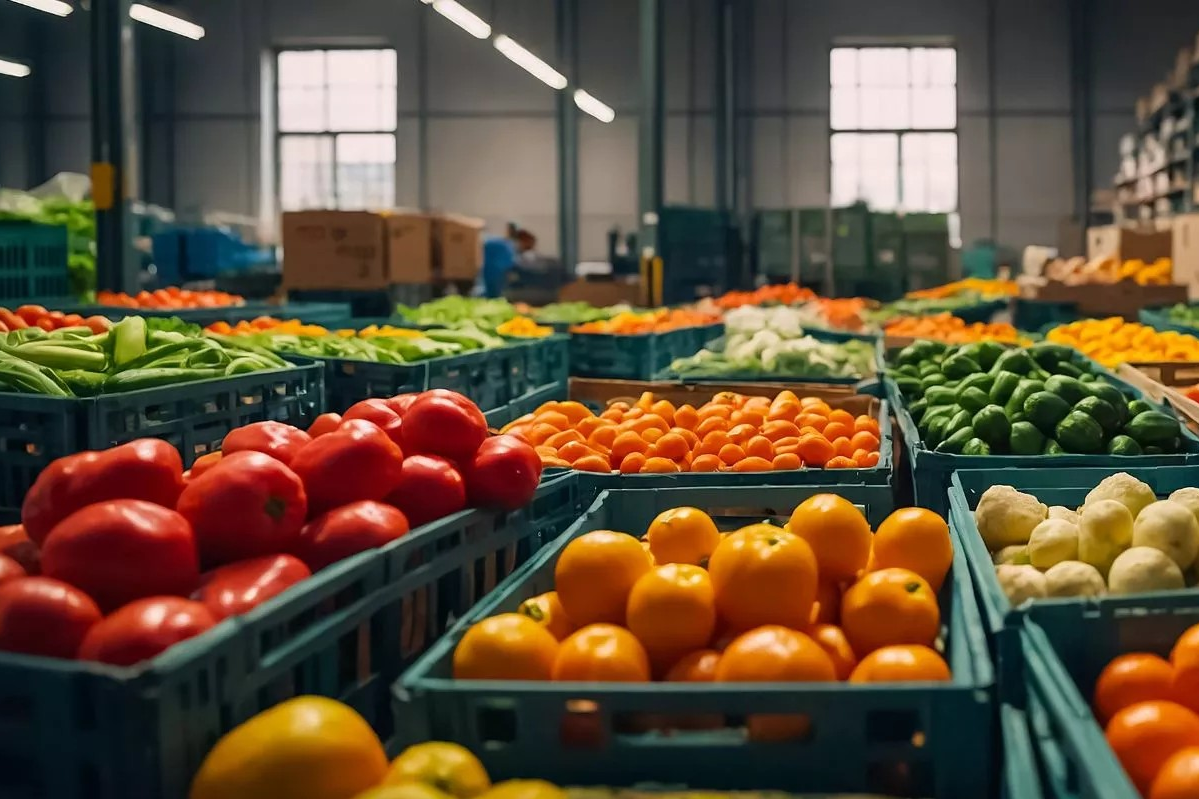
(1159, 318)
(639, 357)
(33, 261)
(88, 731)
(862, 737)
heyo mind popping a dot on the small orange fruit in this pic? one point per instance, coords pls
(904, 663)
(672, 611)
(828, 603)
(1131, 678)
(1184, 657)
(682, 535)
(595, 573)
(505, 647)
(1178, 777)
(889, 606)
(546, 610)
(763, 575)
(697, 666)
(916, 539)
(834, 643)
(601, 653)
(1145, 735)
(837, 532)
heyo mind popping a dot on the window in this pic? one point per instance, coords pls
(893, 120)
(336, 144)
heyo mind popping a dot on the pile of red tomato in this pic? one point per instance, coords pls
(122, 554)
(38, 316)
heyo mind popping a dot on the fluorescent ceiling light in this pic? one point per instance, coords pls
(56, 7)
(591, 105)
(168, 22)
(14, 69)
(458, 14)
(530, 63)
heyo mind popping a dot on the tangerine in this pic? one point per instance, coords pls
(837, 532)
(601, 653)
(887, 607)
(510, 646)
(697, 666)
(1178, 777)
(672, 611)
(682, 535)
(916, 539)
(763, 575)
(595, 573)
(1129, 679)
(1145, 735)
(1184, 657)
(832, 640)
(903, 663)
(546, 610)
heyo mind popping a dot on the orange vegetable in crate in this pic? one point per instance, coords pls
(832, 640)
(510, 646)
(837, 532)
(890, 606)
(682, 535)
(672, 611)
(1129, 679)
(764, 575)
(595, 574)
(601, 653)
(1184, 657)
(546, 609)
(916, 539)
(1178, 778)
(450, 768)
(905, 663)
(1145, 735)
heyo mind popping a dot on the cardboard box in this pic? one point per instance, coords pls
(1185, 252)
(1125, 243)
(355, 249)
(1124, 299)
(457, 247)
(601, 293)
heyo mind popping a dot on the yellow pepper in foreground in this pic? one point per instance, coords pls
(1113, 341)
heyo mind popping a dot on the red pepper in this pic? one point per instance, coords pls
(10, 569)
(379, 412)
(147, 469)
(503, 474)
(325, 423)
(239, 587)
(443, 423)
(122, 550)
(248, 505)
(279, 440)
(348, 530)
(430, 488)
(203, 464)
(356, 462)
(144, 629)
(40, 616)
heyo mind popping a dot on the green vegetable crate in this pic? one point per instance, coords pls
(830, 336)
(195, 417)
(906, 740)
(33, 261)
(89, 731)
(636, 357)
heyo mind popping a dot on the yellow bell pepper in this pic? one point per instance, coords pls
(1113, 341)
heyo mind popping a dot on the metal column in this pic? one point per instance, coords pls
(652, 123)
(114, 143)
(568, 138)
(723, 102)
(1080, 111)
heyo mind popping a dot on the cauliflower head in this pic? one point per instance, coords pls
(1006, 517)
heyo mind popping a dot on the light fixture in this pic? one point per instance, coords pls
(590, 105)
(165, 20)
(14, 69)
(56, 7)
(530, 63)
(461, 16)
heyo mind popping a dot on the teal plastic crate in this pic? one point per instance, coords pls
(982, 312)
(1159, 319)
(490, 378)
(547, 362)
(194, 417)
(640, 357)
(1039, 314)
(555, 392)
(33, 261)
(753, 376)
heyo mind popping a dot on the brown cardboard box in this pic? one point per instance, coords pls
(355, 249)
(457, 247)
(601, 293)
(1185, 252)
(1124, 299)
(1125, 243)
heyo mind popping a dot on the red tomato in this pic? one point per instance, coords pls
(11, 320)
(440, 424)
(325, 423)
(46, 323)
(122, 550)
(503, 474)
(58, 317)
(247, 506)
(238, 587)
(203, 464)
(430, 489)
(355, 462)
(145, 628)
(379, 412)
(10, 569)
(72, 320)
(98, 324)
(400, 403)
(31, 313)
(280, 441)
(40, 616)
(15, 544)
(348, 530)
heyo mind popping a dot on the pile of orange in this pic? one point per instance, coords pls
(732, 432)
(1150, 706)
(633, 323)
(822, 599)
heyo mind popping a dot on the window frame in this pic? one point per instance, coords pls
(899, 133)
(331, 134)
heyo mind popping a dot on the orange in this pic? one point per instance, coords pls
(665, 410)
(505, 647)
(837, 532)
(828, 603)
(1184, 657)
(587, 426)
(841, 416)
(554, 419)
(645, 401)
(601, 653)
(760, 447)
(763, 575)
(834, 643)
(657, 465)
(742, 433)
(779, 429)
(731, 453)
(546, 610)
(651, 435)
(1178, 777)
(841, 462)
(886, 607)
(905, 663)
(864, 440)
(672, 611)
(711, 425)
(842, 447)
(783, 411)
(575, 412)
(672, 446)
(713, 442)
(815, 449)
(632, 463)
(682, 535)
(1145, 735)
(786, 461)
(706, 463)
(916, 539)
(559, 440)
(548, 462)
(595, 573)
(753, 464)
(539, 432)
(603, 436)
(812, 420)
(691, 438)
(866, 424)
(1131, 678)
(835, 430)
(697, 666)
(686, 417)
(574, 451)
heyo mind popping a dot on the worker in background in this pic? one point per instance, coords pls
(501, 255)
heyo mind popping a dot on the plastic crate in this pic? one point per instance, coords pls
(33, 261)
(860, 736)
(1068, 487)
(1159, 318)
(547, 361)
(490, 378)
(637, 357)
(832, 336)
(1037, 314)
(194, 417)
(983, 312)
(526, 404)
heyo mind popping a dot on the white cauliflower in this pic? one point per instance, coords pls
(1065, 514)
(1104, 531)
(1005, 516)
(1171, 527)
(1188, 497)
(1017, 555)
(1021, 583)
(1142, 569)
(1125, 489)
(1074, 578)
(1051, 542)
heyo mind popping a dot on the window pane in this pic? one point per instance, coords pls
(302, 68)
(362, 108)
(865, 167)
(934, 108)
(843, 111)
(930, 171)
(301, 109)
(883, 66)
(366, 171)
(843, 66)
(306, 172)
(885, 108)
(943, 62)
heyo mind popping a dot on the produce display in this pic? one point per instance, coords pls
(629, 323)
(986, 399)
(910, 306)
(453, 310)
(523, 327)
(952, 329)
(572, 313)
(382, 344)
(1184, 314)
(731, 433)
(267, 324)
(79, 218)
(37, 316)
(173, 298)
(771, 341)
(133, 555)
(821, 599)
(1113, 341)
(781, 294)
(1109, 269)
(970, 286)
(1122, 540)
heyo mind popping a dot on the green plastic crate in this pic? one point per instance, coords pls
(638, 357)
(33, 261)
(1159, 319)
